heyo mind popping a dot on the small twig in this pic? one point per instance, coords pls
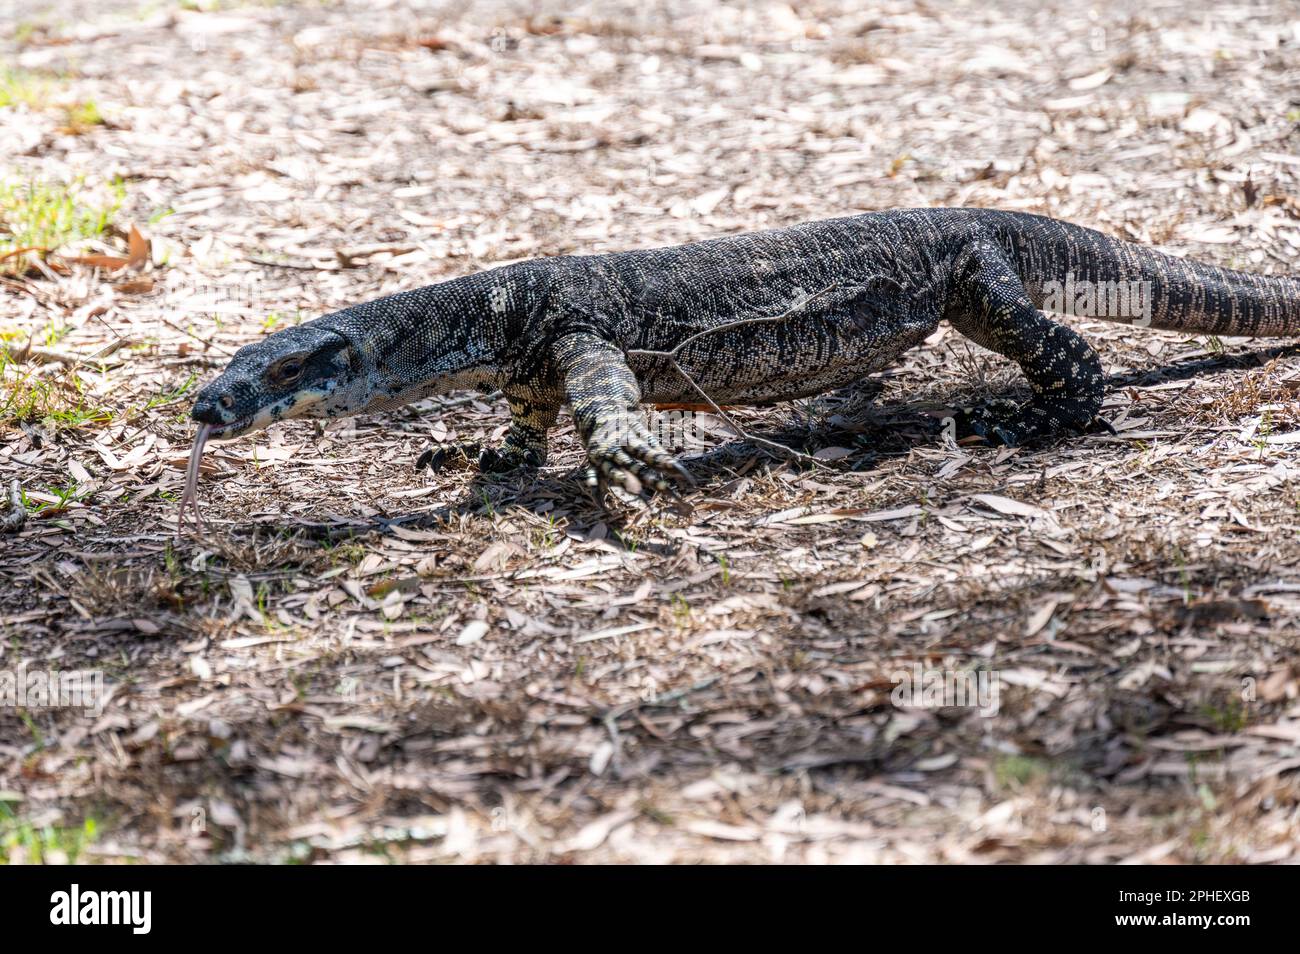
(611, 716)
(47, 356)
(28, 289)
(671, 357)
(761, 320)
(780, 449)
(446, 405)
(301, 266)
(13, 253)
(206, 342)
(616, 743)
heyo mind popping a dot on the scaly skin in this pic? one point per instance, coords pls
(751, 318)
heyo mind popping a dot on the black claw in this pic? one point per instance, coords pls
(1004, 436)
(432, 459)
(436, 458)
(683, 475)
(595, 484)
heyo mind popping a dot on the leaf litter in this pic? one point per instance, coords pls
(356, 659)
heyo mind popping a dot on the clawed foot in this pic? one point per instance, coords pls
(1019, 426)
(983, 426)
(629, 458)
(489, 461)
(456, 456)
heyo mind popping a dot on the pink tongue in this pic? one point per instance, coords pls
(191, 494)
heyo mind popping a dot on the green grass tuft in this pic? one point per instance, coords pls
(21, 841)
(82, 116)
(20, 88)
(48, 216)
(56, 401)
(38, 91)
(1020, 770)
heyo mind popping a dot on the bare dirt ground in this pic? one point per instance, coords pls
(361, 662)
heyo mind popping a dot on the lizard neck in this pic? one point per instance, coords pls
(455, 335)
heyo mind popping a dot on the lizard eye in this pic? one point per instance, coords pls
(287, 371)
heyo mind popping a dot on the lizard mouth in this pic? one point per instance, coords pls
(234, 428)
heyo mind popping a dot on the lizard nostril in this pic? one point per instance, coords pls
(226, 401)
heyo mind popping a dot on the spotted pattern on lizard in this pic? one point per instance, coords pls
(751, 318)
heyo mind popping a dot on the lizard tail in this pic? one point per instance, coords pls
(1073, 270)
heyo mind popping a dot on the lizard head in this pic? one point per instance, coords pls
(306, 371)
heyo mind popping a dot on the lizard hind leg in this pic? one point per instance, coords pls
(994, 310)
(525, 445)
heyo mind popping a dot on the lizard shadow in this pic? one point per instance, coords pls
(893, 428)
(550, 497)
(920, 411)
(1195, 367)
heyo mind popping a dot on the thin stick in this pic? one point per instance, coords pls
(780, 449)
(671, 357)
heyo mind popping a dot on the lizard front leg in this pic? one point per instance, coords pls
(525, 443)
(606, 401)
(524, 446)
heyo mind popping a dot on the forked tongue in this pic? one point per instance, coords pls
(191, 495)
